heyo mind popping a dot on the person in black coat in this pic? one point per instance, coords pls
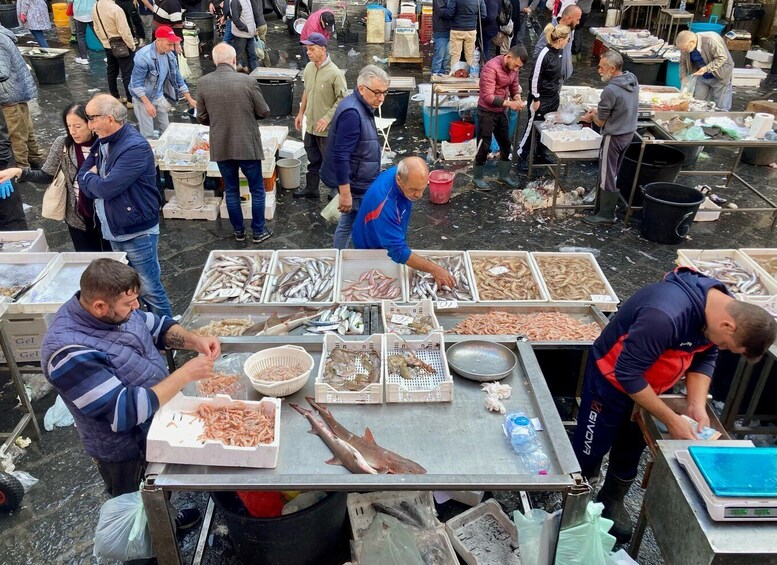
(11, 210)
(489, 27)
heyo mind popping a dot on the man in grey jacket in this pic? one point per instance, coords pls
(230, 103)
(616, 114)
(570, 17)
(707, 57)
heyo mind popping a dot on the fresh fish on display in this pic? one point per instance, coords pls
(14, 246)
(505, 278)
(570, 278)
(536, 326)
(408, 366)
(341, 319)
(235, 279)
(351, 370)
(417, 325)
(276, 325)
(738, 279)
(423, 285)
(304, 279)
(372, 285)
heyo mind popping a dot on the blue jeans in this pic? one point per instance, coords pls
(442, 57)
(40, 39)
(345, 225)
(253, 172)
(142, 256)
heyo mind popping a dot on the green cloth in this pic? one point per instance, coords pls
(325, 87)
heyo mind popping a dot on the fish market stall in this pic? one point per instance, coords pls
(445, 90)
(23, 241)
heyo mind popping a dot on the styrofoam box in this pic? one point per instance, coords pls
(468, 497)
(759, 65)
(748, 77)
(686, 258)
(427, 388)
(760, 55)
(245, 205)
(36, 238)
(361, 513)
(708, 211)
(307, 253)
(23, 355)
(258, 254)
(527, 259)
(755, 253)
(606, 303)
(173, 435)
(355, 262)
(276, 135)
(423, 307)
(370, 394)
(571, 140)
(460, 526)
(292, 149)
(426, 253)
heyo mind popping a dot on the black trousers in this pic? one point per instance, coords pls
(314, 148)
(90, 239)
(116, 64)
(12, 213)
(496, 124)
(577, 43)
(519, 23)
(133, 18)
(547, 105)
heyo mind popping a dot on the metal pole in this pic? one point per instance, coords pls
(634, 182)
(13, 368)
(160, 524)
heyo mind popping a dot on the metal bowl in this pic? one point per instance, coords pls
(480, 360)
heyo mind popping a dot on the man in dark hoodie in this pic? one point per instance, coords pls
(665, 331)
(464, 16)
(617, 116)
(441, 27)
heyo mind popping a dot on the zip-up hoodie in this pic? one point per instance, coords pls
(546, 76)
(658, 335)
(619, 103)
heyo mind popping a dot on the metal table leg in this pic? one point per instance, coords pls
(639, 532)
(29, 419)
(160, 524)
(739, 384)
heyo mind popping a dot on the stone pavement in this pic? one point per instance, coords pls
(56, 523)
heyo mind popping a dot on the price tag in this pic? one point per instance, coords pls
(401, 320)
(229, 292)
(601, 298)
(447, 304)
(496, 271)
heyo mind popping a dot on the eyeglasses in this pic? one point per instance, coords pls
(378, 93)
(93, 117)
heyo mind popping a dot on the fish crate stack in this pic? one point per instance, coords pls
(574, 279)
(33, 241)
(303, 276)
(741, 275)
(506, 276)
(421, 285)
(355, 351)
(225, 277)
(364, 275)
(409, 319)
(422, 385)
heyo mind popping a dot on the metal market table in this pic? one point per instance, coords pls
(668, 19)
(460, 443)
(736, 393)
(443, 89)
(641, 7)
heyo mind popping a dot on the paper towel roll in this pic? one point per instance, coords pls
(612, 18)
(762, 123)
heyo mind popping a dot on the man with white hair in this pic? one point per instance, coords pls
(706, 57)
(230, 103)
(352, 154)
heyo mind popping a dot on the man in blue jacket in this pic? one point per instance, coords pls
(665, 331)
(464, 16)
(120, 175)
(384, 216)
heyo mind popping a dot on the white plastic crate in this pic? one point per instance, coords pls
(757, 255)
(255, 253)
(708, 211)
(429, 254)
(370, 394)
(606, 302)
(464, 151)
(759, 55)
(474, 254)
(437, 387)
(502, 544)
(422, 308)
(571, 140)
(33, 241)
(21, 269)
(292, 149)
(173, 436)
(689, 257)
(277, 274)
(355, 262)
(361, 513)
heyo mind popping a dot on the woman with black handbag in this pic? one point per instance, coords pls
(67, 154)
(113, 31)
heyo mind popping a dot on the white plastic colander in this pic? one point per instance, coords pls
(285, 355)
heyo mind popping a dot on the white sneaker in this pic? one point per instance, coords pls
(82, 61)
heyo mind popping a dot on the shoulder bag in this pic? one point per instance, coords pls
(118, 47)
(55, 197)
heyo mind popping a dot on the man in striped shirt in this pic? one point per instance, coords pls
(102, 356)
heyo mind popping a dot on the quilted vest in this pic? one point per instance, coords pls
(365, 159)
(135, 361)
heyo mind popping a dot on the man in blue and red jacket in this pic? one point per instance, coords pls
(667, 330)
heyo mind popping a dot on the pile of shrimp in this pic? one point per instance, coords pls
(500, 278)
(235, 425)
(570, 278)
(225, 328)
(279, 373)
(220, 383)
(537, 326)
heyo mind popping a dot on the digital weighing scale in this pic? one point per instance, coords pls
(736, 483)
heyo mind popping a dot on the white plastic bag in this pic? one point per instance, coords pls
(183, 66)
(58, 416)
(27, 480)
(530, 534)
(589, 543)
(122, 530)
(330, 212)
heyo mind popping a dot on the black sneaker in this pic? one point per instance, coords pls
(240, 235)
(187, 518)
(522, 166)
(259, 238)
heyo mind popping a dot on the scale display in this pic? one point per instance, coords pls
(740, 472)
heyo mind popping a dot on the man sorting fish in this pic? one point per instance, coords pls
(384, 217)
(665, 331)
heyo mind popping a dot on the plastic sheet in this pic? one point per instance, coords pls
(58, 416)
(27, 480)
(586, 544)
(122, 529)
(530, 534)
(389, 542)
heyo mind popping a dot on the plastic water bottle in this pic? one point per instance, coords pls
(525, 442)
(474, 70)
(682, 5)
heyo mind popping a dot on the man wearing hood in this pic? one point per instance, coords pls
(617, 116)
(665, 331)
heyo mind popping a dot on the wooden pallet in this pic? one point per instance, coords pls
(170, 194)
(405, 60)
(210, 211)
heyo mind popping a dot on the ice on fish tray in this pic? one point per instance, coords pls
(15, 276)
(61, 287)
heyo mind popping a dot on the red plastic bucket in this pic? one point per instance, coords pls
(461, 131)
(440, 185)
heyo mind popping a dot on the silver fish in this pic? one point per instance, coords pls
(233, 278)
(423, 285)
(738, 279)
(304, 279)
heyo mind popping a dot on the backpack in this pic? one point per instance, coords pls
(505, 13)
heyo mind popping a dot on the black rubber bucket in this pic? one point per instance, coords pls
(278, 94)
(660, 163)
(395, 106)
(759, 155)
(204, 22)
(315, 535)
(8, 16)
(49, 70)
(669, 211)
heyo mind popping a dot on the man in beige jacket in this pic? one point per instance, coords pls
(110, 21)
(705, 56)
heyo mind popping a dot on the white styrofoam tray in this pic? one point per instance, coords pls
(19, 269)
(32, 241)
(571, 140)
(423, 308)
(756, 253)
(437, 387)
(607, 302)
(275, 269)
(173, 435)
(499, 552)
(708, 211)
(759, 55)
(256, 253)
(428, 254)
(523, 255)
(245, 206)
(370, 394)
(355, 262)
(688, 258)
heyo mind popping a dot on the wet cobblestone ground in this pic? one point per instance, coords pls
(56, 522)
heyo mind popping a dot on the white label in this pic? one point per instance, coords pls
(297, 300)
(447, 304)
(536, 424)
(496, 271)
(601, 298)
(401, 320)
(289, 11)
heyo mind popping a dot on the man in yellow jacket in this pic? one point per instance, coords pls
(110, 22)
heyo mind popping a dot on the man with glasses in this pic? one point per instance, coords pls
(120, 175)
(352, 154)
(499, 91)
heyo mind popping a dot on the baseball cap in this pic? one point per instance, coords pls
(315, 39)
(166, 32)
(328, 21)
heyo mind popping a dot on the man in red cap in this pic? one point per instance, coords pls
(157, 83)
(320, 21)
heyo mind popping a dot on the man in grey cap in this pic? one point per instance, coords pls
(324, 88)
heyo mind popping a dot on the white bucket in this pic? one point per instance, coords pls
(189, 189)
(289, 173)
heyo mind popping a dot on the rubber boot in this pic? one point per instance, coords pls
(478, 180)
(608, 201)
(504, 174)
(612, 494)
(310, 190)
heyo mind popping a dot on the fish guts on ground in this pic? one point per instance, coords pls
(235, 425)
(503, 278)
(570, 278)
(372, 285)
(304, 279)
(234, 278)
(537, 326)
(423, 285)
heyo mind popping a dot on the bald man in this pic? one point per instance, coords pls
(706, 57)
(384, 216)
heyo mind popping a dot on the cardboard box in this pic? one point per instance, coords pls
(738, 44)
(765, 106)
